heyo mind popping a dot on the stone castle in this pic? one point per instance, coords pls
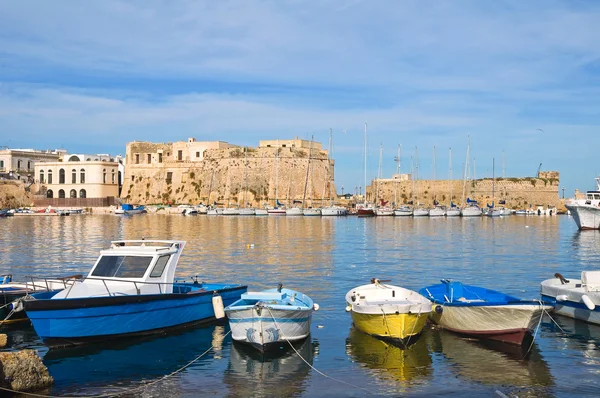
(207, 172)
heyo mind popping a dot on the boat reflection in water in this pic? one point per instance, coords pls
(128, 363)
(496, 364)
(280, 373)
(396, 366)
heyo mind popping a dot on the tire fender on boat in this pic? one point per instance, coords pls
(562, 297)
(217, 302)
(316, 307)
(439, 309)
(588, 302)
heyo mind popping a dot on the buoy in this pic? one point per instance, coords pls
(562, 297)
(588, 302)
(217, 302)
(316, 307)
(348, 308)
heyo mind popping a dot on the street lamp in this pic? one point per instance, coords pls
(563, 189)
(343, 191)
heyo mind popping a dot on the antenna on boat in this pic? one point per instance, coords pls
(279, 287)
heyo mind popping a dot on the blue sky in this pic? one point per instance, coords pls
(520, 77)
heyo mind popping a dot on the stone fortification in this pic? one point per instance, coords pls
(518, 193)
(195, 172)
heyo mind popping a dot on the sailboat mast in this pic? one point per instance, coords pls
(246, 175)
(379, 173)
(277, 174)
(465, 171)
(398, 175)
(329, 165)
(493, 179)
(450, 176)
(365, 162)
(307, 171)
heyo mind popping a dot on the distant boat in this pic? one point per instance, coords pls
(403, 211)
(271, 317)
(365, 209)
(129, 291)
(483, 313)
(387, 311)
(492, 211)
(129, 209)
(586, 212)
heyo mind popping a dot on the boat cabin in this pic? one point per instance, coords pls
(130, 267)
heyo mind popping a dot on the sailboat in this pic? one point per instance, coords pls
(332, 210)
(382, 209)
(309, 211)
(404, 210)
(365, 209)
(230, 210)
(492, 211)
(437, 210)
(212, 209)
(453, 210)
(246, 211)
(279, 209)
(470, 207)
(292, 209)
(418, 211)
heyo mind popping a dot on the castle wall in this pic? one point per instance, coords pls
(518, 193)
(227, 176)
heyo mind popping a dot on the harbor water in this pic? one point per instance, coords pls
(324, 258)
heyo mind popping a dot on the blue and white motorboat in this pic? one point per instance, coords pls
(130, 209)
(270, 318)
(129, 291)
(575, 298)
(483, 313)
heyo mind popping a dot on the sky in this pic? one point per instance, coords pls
(520, 78)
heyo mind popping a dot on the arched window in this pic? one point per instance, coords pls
(42, 176)
(61, 193)
(104, 176)
(82, 193)
(49, 176)
(88, 159)
(74, 159)
(61, 176)
(82, 176)
(113, 176)
(28, 165)
(49, 194)
(73, 193)
(73, 176)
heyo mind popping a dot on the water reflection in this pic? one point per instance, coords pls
(495, 363)
(586, 246)
(124, 364)
(393, 365)
(281, 373)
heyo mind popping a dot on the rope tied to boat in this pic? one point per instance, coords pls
(310, 365)
(537, 328)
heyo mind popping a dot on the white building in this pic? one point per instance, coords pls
(19, 163)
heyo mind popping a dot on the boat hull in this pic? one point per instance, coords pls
(265, 328)
(79, 320)
(508, 323)
(403, 212)
(390, 325)
(572, 304)
(585, 216)
(365, 213)
(454, 212)
(333, 211)
(471, 212)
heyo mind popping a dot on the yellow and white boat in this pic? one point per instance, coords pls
(388, 311)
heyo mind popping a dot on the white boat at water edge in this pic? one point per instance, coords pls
(277, 211)
(403, 211)
(453, 212)
(575, 298)
(334, 211)
(261, 212)
(294, 211)
(384, 211)
(247, 211)
(420, 212)
(471, 211)
(271, 318)
(311, 211)
(437, 211)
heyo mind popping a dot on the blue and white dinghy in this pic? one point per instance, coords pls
(575, 298)
(269, 318)
(129, 291)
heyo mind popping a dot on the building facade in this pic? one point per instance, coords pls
(19, 164)
(75, 178)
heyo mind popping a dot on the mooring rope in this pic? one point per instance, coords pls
(127, 391)
(310, 365)
(537, 328)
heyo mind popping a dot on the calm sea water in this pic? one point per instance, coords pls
(324, 258)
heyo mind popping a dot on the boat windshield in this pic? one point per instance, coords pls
(122, 266)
